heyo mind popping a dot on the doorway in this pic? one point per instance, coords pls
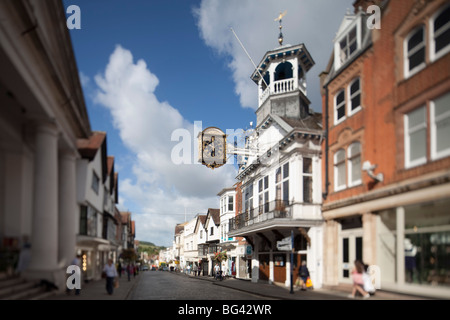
(350, 249)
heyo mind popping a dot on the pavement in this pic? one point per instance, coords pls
(96, 290)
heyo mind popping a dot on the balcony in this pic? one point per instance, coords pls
(268, 211)
(283, 86)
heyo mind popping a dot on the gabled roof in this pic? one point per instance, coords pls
(179, 228)
(201, 219)
(88, 148)
(215, 215)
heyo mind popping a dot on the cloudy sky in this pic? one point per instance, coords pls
(153, 69)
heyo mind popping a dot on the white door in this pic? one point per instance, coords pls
(350, 249)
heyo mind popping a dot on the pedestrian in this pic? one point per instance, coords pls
(303, 274)
(111, 274)
(119, 270)
(195, 269)
(189, 269)
(358, 281)
(129, 271)
(216, 271)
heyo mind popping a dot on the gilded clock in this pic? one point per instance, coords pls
(213, 147)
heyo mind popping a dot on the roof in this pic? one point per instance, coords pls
(125, 216)
(281, 53)
(88, 147)
(215, 215)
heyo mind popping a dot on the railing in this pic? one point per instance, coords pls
(268, 211)
(281, 86)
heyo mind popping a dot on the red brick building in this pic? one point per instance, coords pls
(386, 157)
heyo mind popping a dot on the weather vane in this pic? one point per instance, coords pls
(280, 17)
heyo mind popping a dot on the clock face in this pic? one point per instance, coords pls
(213, 150)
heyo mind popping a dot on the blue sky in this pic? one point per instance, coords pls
(151, 67)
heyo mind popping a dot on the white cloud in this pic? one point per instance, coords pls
(313, 23)
(145, 124)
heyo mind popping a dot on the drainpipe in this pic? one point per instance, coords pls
(325, 193)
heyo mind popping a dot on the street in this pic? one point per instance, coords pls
(161, 285)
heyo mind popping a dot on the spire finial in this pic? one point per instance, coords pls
(280, 36)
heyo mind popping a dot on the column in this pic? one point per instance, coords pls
(369, 238)
(68, 217)
(400, 256)
(44, 244)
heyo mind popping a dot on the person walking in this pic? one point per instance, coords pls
(195, 269)
(303, 273)
(111, 274)
(119, 270)
(216, 271)
(129, 271)
(358, 281)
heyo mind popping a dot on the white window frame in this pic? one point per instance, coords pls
(408, 73)
(343, 104)
(336, 177)
(407, 132)
(433, 119)
(282, 181)
(350, 168)
(435, 56)
(232, 203)
(351, 112)
(309, 175)
(264, 194)
(337, 44)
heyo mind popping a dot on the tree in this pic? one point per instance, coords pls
(128, 254)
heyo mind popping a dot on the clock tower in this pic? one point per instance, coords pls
(281, 80)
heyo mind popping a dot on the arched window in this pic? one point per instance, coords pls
(339, 170)
(339, 104)
(440, 33)
(283, 71)
(415, 51)
(354, 164)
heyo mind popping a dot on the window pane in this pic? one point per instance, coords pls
(441, 105)
(352, 35)
(417, 58)
(417, 144)
(416, 117)
(443, 134)
(286, 170)
(341, 174)
(355, 149)
(278, 175)
(266, 182)
(352, 47)
(260, 185)
(341, 112)
(416, 39)
(356, 169)
(442, 40)
(442, 19)
(307, 189)
(307, 165)
(340, 98)
(340, 156)
(354, 87)
(286, 190)
(356, 102)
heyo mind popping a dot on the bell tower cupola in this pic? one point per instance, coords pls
(281, 80)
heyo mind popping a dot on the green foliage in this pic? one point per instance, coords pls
(150, 248)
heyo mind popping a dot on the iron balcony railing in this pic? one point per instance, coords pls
(267, 211)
